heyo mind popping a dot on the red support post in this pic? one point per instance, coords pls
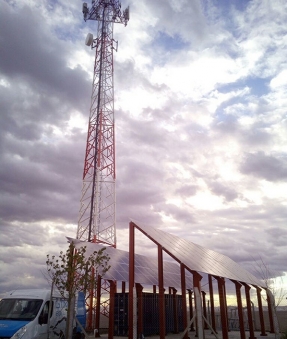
(131, 278)
(249, 310)
(212, 310)
(240, 308)
(183, 292)
(161, 294)
(222, 302)
(113, 290)
(175, 310)
(139, 289)
(98, 307)
(272, 330)
(123, 287)
(260, 309)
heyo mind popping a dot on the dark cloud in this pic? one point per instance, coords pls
(186, 190)
(224, 190)
(35, 64)
(40, 93)
(268, 167)
(278, 236)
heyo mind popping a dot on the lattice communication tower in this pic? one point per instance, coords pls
(97, 210)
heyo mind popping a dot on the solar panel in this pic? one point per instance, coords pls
(198, 258)
(193, 256)
(146, 268)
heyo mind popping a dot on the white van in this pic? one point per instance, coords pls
(24, 314)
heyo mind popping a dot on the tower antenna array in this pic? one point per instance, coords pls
(97, 211)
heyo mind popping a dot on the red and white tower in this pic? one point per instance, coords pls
(97, 211)
(98, 204)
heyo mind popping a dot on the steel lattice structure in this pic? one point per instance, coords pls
(97, 211)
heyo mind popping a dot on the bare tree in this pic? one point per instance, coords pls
(268, 276)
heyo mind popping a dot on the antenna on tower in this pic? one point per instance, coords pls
(89, 39)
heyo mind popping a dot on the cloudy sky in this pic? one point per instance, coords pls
(201, 127)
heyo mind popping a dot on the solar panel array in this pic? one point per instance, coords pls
(198, 258)
(146, 268)
(193, 256)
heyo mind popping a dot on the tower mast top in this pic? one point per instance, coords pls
(97, 11)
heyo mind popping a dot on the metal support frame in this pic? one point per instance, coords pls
(132, 335)
(97, 211)
(190, 292)
(113, 289)
(175, 310)
(270, 313)
(212, 309)
(223, 308)
(260, 309)
(200, 315)
(183, 292)
(98, 307)
(139, 289)
(123, 287)
(249, 310)
(240, 308)
(271, 303)
(161, 293)
(96, 221)
(225, 300)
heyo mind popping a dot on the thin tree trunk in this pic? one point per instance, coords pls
(70, 317)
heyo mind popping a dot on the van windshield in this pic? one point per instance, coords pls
(19, 309)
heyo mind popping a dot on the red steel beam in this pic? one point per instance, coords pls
(212, 310)
(131, 277)
(161, 294)
(175, 310)
(183, 292)
(249, 310)
(113, 290)
(98, 307)
(240, 308)
(270, 314)
(222, 302)
(260, 309)
(139, 289)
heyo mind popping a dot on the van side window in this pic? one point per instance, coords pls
(43, 318)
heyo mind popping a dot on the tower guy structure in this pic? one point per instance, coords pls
(98, 204)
